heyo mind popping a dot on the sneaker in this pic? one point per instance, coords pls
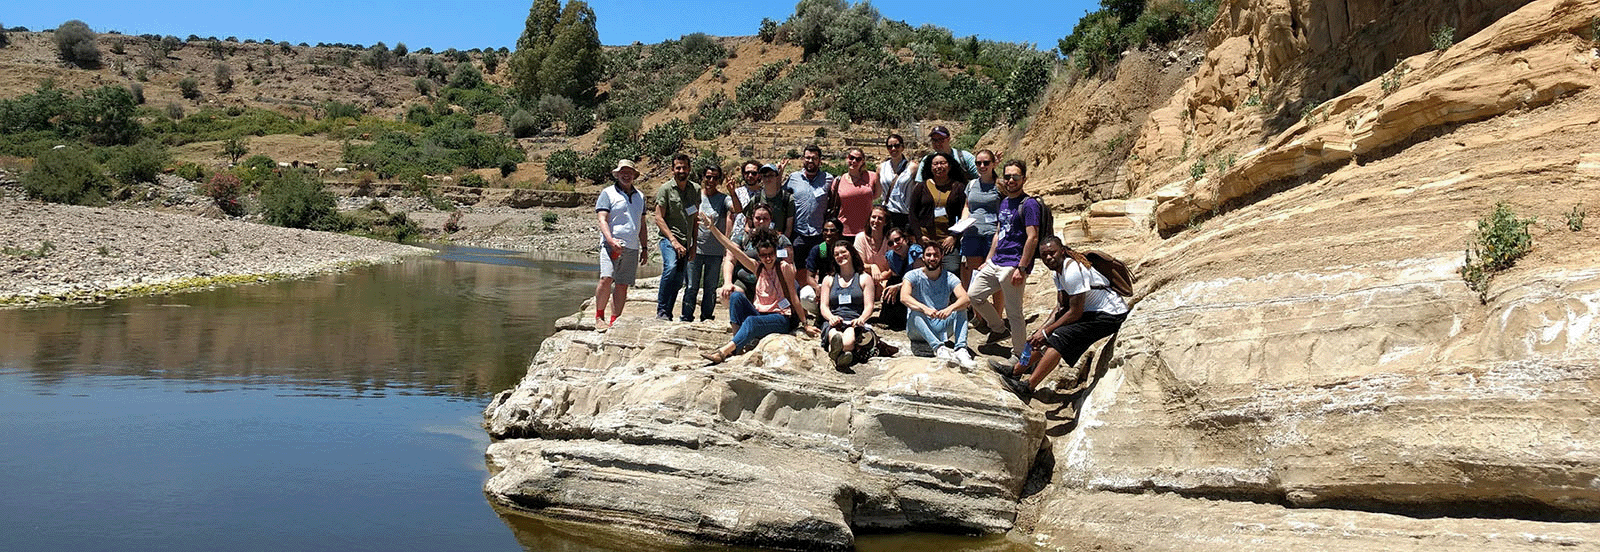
(999, 333)
(835, 344)
(979, 324)
(963, 356)
(944, 353)
(1005, 367)
(845, 359)
(664, 317)
(1019, 387)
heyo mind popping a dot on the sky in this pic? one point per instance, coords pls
(441, 24)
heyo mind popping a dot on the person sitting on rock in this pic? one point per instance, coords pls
(933, 317)
(901, 258)
(850, 299)
(1087, 310)
(819, 264)
(776, 307)
(736, 276)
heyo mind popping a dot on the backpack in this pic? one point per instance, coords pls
(1047, 227)
(1113, 269)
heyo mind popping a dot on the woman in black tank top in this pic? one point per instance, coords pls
(847, 304)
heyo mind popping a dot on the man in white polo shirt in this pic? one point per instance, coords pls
(620, 209)
(1087, 310)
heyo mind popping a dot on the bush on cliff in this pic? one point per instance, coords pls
(67, 175)
(75, 44)
(1501, 239)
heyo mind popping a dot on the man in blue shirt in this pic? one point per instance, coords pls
(810, 186)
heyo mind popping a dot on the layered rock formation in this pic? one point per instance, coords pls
(774, 448)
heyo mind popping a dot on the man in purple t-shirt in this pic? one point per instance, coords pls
(1010, 257)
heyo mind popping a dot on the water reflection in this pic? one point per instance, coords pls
(463, 323)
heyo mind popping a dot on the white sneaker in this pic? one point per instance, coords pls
(964, 357)
(944, 353)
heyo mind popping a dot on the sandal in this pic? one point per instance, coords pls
(714, 355)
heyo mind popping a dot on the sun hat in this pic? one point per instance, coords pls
(624, 164)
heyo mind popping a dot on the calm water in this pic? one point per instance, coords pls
(334, 413)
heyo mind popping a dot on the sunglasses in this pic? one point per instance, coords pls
(748, 173)
(984, 163)
(1014, 177)
(854, 158)
(894, 146)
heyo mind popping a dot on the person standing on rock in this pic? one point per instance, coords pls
(940, 138)
(775, 307)
(1010, 257)
(677, 202)
(811, 186)
(775, 197)
(741, 196)
(934, 317)
(620, 209)
(982, 206)
(705, 268)
(936, 206)
(897, 175)
(1087, 310)
(855, 190)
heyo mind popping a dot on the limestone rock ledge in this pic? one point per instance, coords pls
(774, 448)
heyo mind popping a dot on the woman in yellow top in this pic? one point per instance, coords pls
(938, 204)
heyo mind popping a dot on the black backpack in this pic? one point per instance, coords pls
(1047, 226)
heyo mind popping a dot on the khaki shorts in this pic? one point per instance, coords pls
(622, 271)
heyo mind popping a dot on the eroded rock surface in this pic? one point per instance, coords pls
(772, 448)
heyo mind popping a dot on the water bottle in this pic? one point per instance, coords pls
(1027, 355)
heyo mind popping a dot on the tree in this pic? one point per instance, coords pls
(400, 49)
(66, 175)
(466, 77)
(223, 77)
(490, 61)
(537, 33)
(235, 148)
(573, 64)
(75, 44)
(5, 40)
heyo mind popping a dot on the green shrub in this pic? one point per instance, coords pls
(255, 170)
(222, 76)
(138, 163)
(768, 30)
(337, 110)
(224, 189)
(424, 86)
(1501, 239)
(621, 131)
(189, 87)
(1575, 218)
(474, 180)
(174, 111)
(75, 44)
(1443, 37)
(523, 124)
(67, 175)
(664, 140)
(191, 172)
(419, 114)
(295, 200)
(137, 90)
(562, 164)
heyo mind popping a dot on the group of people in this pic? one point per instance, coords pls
(916, 245)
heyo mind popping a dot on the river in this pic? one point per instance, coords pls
(339, 412)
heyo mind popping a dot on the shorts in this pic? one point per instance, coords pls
(974, 244)
(622, 271)
(1073, 339)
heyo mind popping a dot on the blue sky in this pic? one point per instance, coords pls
(441, 24)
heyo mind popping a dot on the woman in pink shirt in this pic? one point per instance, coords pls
(873, 242)
(855, 190)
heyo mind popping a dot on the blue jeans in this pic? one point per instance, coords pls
(672, 271)
(753, 324)
(705, 276)
(935, 332)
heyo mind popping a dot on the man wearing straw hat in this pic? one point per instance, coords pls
(620, 209)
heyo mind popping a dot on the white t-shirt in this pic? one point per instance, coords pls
(624, 214)
(1074, 278)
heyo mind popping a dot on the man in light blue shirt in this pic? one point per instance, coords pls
(811, 188)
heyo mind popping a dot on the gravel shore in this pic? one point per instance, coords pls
(53, 253)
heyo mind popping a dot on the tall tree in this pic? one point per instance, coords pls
(572, 66)
(537, 34)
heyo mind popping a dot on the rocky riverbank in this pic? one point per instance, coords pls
(53, 253)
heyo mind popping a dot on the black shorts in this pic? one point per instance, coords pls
(1073, 339)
